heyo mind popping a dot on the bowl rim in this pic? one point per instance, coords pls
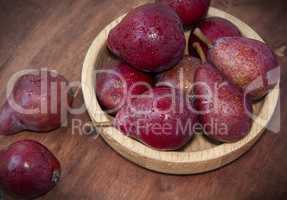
(125, 145)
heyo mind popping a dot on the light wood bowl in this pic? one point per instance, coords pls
(200, 155)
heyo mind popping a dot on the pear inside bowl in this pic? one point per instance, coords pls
(200, 155)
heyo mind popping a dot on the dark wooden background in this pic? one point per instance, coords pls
(56, 34)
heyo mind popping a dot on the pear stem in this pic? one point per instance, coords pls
(198, 33)
(200, 52)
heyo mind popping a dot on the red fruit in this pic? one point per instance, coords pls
(158, 119)
(189, 11)
(213, 28)
(150, 38)
(117, 82)
(28, 169)
(247, 63)
(181, 76)
(41, 99)
(223, 107)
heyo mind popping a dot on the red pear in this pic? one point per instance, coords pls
(248, 63)
(189, 11)
(117, 82)
(38, 102)
(224, 110)
(150, 38)
(159, 118)
(28, 170)
(181, 76)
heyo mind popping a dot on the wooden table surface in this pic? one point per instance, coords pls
(56, 34)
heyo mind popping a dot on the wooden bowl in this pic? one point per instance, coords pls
(200, 155)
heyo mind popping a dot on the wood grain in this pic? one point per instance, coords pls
(56, 34)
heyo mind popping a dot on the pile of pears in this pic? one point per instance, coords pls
(161, 97)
